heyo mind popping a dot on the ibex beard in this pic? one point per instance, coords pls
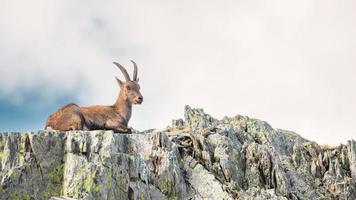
(114, 117)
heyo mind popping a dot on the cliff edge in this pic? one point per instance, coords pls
(199, 157)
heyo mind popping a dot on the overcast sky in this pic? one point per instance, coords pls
(290, 63)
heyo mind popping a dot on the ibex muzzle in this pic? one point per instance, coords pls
(114, 117)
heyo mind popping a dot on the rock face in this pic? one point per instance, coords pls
(196, 158)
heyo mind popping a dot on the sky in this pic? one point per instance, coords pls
(290, 63)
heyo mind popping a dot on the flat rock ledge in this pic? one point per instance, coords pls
(199, 157)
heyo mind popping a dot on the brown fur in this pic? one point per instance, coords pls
(114, 117)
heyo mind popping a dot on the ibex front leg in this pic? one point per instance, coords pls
(117, 127)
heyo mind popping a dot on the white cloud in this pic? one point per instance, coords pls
(289, 63)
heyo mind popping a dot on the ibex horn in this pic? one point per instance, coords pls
(135, 71)
(123, 70)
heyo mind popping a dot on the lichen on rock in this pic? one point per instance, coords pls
(199, 157)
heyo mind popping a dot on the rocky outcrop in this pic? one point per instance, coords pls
(196, 158)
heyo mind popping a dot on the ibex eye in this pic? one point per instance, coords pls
(128, 88)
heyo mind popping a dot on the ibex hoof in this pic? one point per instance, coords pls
(123, 131)
(129, 131)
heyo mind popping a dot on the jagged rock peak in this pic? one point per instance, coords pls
(199, 157)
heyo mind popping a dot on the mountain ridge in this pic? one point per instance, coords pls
(199, 157)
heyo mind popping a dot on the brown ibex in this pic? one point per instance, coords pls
(114, 117)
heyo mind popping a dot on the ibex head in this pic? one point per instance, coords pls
(130, 90)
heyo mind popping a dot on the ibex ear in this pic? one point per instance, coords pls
(119, 81)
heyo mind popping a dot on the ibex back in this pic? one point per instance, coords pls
(114, 117)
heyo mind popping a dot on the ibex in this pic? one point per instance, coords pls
(114, 117)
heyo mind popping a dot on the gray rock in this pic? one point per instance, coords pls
(198, 158)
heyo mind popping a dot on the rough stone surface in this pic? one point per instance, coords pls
(199, 157)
